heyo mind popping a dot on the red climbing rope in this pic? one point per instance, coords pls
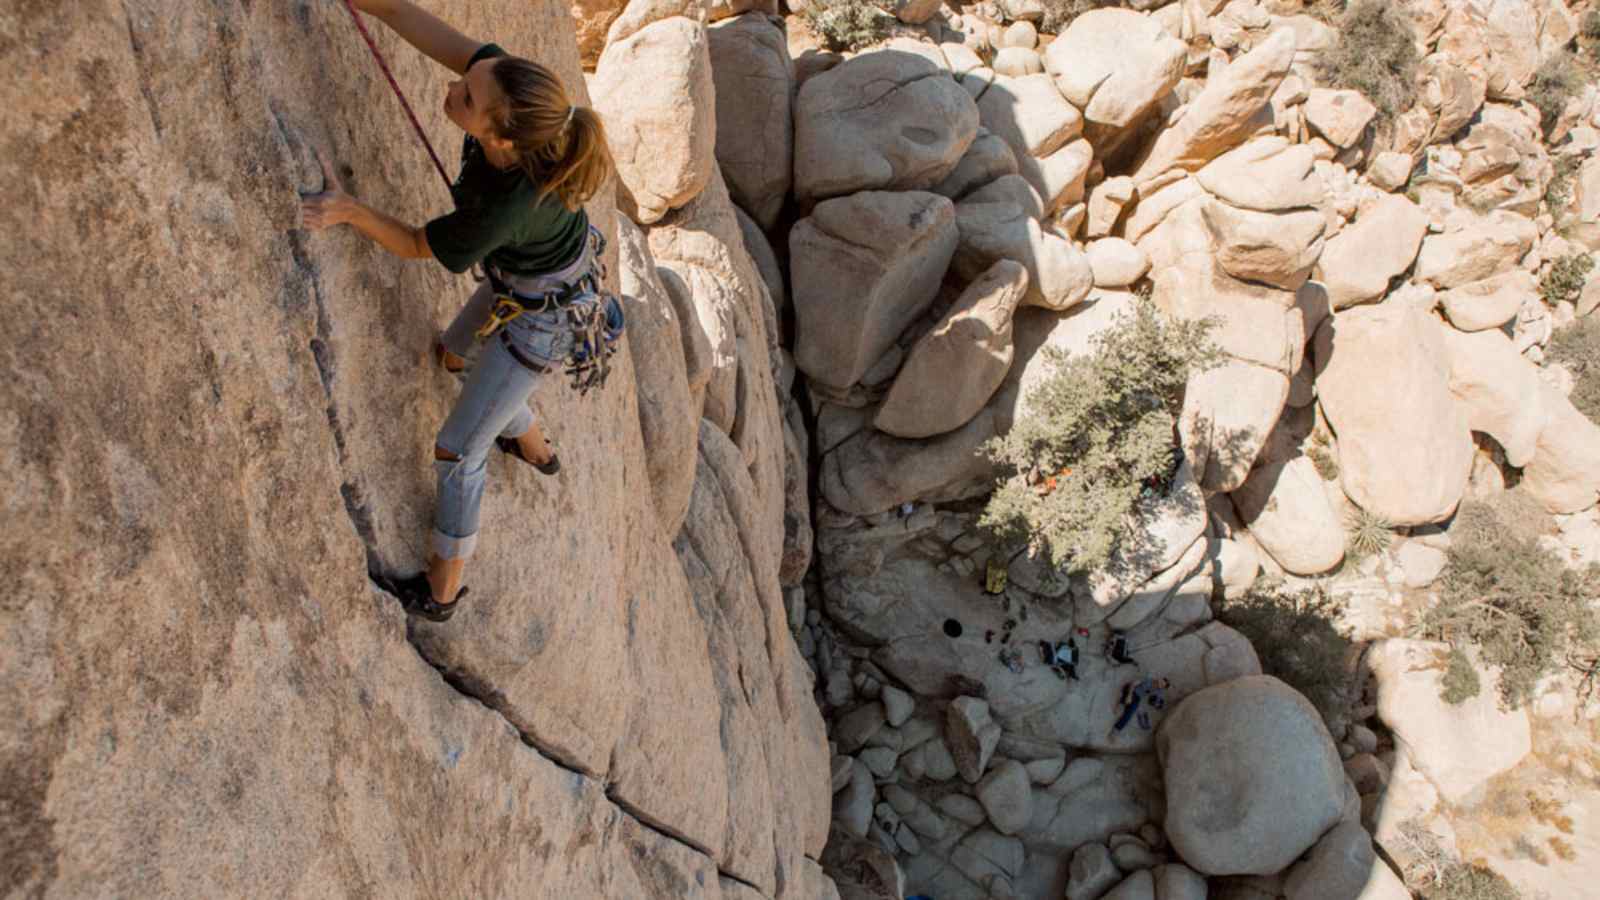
(397, 92)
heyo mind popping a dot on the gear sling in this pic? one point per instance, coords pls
(593, 317)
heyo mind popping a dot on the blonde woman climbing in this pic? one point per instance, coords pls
(529, 160)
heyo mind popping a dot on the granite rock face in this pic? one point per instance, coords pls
(203, 504)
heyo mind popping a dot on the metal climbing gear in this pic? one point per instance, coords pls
(592, 316)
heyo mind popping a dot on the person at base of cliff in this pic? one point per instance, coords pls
(1147, 691)
(529, 160)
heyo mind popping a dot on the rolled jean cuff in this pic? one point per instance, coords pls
(447, 547)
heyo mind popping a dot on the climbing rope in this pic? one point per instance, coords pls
(371, 45)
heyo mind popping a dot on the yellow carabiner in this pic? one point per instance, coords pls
(505, 309)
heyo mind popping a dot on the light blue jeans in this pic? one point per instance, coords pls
(493, 401)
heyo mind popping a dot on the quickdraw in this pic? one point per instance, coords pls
(593, 317)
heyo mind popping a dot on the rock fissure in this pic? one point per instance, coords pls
(493, 700)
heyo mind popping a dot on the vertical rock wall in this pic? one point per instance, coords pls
(215, 425)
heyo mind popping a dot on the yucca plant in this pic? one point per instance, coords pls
(1369, 533)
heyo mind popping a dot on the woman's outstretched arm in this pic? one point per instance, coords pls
(424, 31)
(334, 207)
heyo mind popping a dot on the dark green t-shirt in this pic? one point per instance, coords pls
(497, 218)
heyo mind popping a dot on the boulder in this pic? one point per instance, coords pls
(1156, 205)
(1359, 262)
(754, 80)
(915, 12)
(872, 472)
(864, 267)
(1252, 777)
(1252, 322)
(1010, 189)
(656, 92)
(1420, 564)
(1267, 174)
(1286, 509)
(1059, 275)
(1340, 116)
(883, 120)
(1389, 170)
(1007, 797)
(1091, 872)
(1116, 263)
(1138, 886)
(1114, 64)
(1491, 302)
(988, 157)
(972, 736)
(1228, 412)
(974, 339)
(1017, 61)
(668, 421)
(1458, 747)
(1404, 454)
(1059, 177)
(1343, 864)
(1106, 203)
(1500, 390)
(1029, 114)
(852, 806)
(1564, 473)
(1483, 247)
(1175, 881)
(1272, 248)
(1228, 110)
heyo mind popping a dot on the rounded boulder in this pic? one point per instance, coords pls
(1252, 775)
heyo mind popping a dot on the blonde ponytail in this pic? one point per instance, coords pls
(560, 146)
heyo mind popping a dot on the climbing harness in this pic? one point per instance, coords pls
(373, 46)
(592, 316)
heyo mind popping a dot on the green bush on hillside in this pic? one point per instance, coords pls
(1299, 640)
(1460, 682)
(1507, 593)
(1058, 14)
(1374, 54)
(1565, 279)
(846, 24)
(1577, 346)
(1557, 81)
(1097, 438)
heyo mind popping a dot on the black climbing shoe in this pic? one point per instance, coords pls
(416, 597)
(510, 447)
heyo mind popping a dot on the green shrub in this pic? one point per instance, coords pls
(1557, 81)
(1507, 593)
(1299, 640)
(1565, 278)
(1367, 533)
(1460, 682)
(1558, 193)
(846, 24)
(1320, 451)
(1591, 25)
(1374, 54)
(1577, 347)
(1058, 14)
(1096, 439)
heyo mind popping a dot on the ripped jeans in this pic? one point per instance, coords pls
(493, 401)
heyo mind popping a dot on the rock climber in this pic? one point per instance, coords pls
(529, 160)
(1149, 691)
